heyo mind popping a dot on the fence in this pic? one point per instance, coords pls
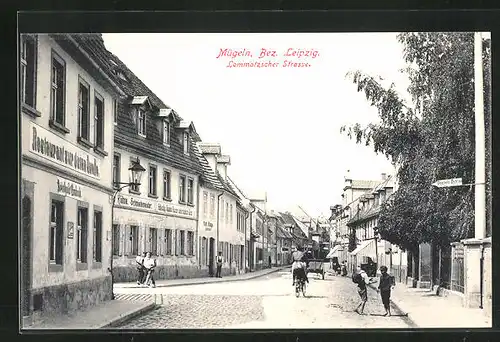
(457, 268)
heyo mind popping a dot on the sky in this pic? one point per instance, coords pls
(280, 126)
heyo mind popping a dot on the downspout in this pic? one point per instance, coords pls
(198, 254)
(248, 245)
(218, 219)
(481, 276)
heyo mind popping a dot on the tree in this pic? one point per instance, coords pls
(431, 139)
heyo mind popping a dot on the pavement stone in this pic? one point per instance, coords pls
(103, 315)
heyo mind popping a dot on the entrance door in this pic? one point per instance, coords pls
(211, 256)
(26, 256)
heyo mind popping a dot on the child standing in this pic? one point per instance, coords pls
(385, 285)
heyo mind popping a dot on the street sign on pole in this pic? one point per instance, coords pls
(444, 183)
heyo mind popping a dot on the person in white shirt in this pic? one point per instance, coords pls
(150, 264)
(218, 262)
(361, 278)
(140, 268)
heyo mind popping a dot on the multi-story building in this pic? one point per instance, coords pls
(67, 106)
(160, 214)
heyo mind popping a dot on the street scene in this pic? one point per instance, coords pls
(255, 181)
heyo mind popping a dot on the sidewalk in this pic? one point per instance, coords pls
(206, 280)
(428, 310)
(104, 315)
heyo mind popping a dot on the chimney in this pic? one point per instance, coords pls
(210, 152)
(384, 176)
(222, 162)
(347, 180)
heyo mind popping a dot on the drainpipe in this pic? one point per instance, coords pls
(481, 269)
(218, 219)
(249, 241)
(198, 254)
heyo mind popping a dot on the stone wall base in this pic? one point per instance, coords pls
(67, 298)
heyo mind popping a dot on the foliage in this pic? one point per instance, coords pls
(431, 139)
(352, 240)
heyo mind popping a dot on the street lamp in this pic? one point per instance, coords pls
(135, 171)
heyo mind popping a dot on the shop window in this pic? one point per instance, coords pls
(97, 236)
(134, 240)
(28, 70)
(57, 94)
(56, 232)
(83, 112)
(116, 240)
(81, 235)
(190, 191)
(152, 180)
(182, 189)
(168, 241)
(153, 241)
(182, 242)
(190, 243)
(99, 122)
(166, 185)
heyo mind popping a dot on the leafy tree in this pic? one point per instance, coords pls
(352, 240)
(431, 139)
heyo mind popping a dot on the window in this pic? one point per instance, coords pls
(205, 204)
(166, 184)
(97, 236)
(56, 232)
(212, 206)
(182, 245)
(115, 111)
(153, 241)
(28, 70)
(185, 140)
(135, 188)
(190, 244)
(168, 241)
(58, 85)
(116, 240)
(231, 214)
(99, 121)
(141, 122)
(190, 191)
(81, 235)
(152, 180)
(83, 110)
(134, 240)
(182, 189)
(116, 170)
(166, 132)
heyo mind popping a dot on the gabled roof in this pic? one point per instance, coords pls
(208, 176)
(209, 148)
(227, 186)
(140, 100)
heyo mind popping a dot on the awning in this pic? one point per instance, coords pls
(366, 248)
(334, 252)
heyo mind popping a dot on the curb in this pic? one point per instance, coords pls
(127, 316)
(408, 319)
(222, 280)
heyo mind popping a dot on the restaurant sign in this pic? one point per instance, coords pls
(69, 189)
(158, 207)
(59, 151)
(208, 225)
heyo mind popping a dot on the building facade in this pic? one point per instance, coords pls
(67, 106)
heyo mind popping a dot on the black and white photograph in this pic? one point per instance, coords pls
(319, 180)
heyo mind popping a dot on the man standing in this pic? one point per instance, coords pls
(140, 268)
(361, 278)
(150, 264)
(385, 285)
(218, 262)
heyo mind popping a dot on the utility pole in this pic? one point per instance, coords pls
(480, 189)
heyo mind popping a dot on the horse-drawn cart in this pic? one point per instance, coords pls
(316, 266)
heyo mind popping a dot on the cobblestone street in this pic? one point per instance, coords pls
(264, 303)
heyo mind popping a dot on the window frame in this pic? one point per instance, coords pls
(140, 111)
(185, 142)
(84, 140)
(57, 263)
(168, 241)
(153, 193)
(115, 111)
(97, 238)
(166, 127)
(134, 240)
(190, 243)
(24, 63)
(82, 237)
(53, 121)
(205, 204)
(182, 189)
(212, 206)
(182, 242)
(99, 122)
(153, 245)
(190, 191)
(116, 168)
(116, 240)
(167, 185)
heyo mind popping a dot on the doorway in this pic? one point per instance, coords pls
(211, 257)
(26, 221)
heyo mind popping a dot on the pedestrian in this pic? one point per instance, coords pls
(344, 268)
(270, 261)
(361, 279)
(150, 264)
(218, 261)
(386, 283)
(140, 268)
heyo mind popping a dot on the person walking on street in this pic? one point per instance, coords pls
(140, 268)
(361, 278)
(150, 264)
(344, 268)
(218, 261)
(386, 283)
(270, 262)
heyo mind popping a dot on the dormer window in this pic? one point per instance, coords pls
(141, 122)
(185, 142)
(166, 132)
